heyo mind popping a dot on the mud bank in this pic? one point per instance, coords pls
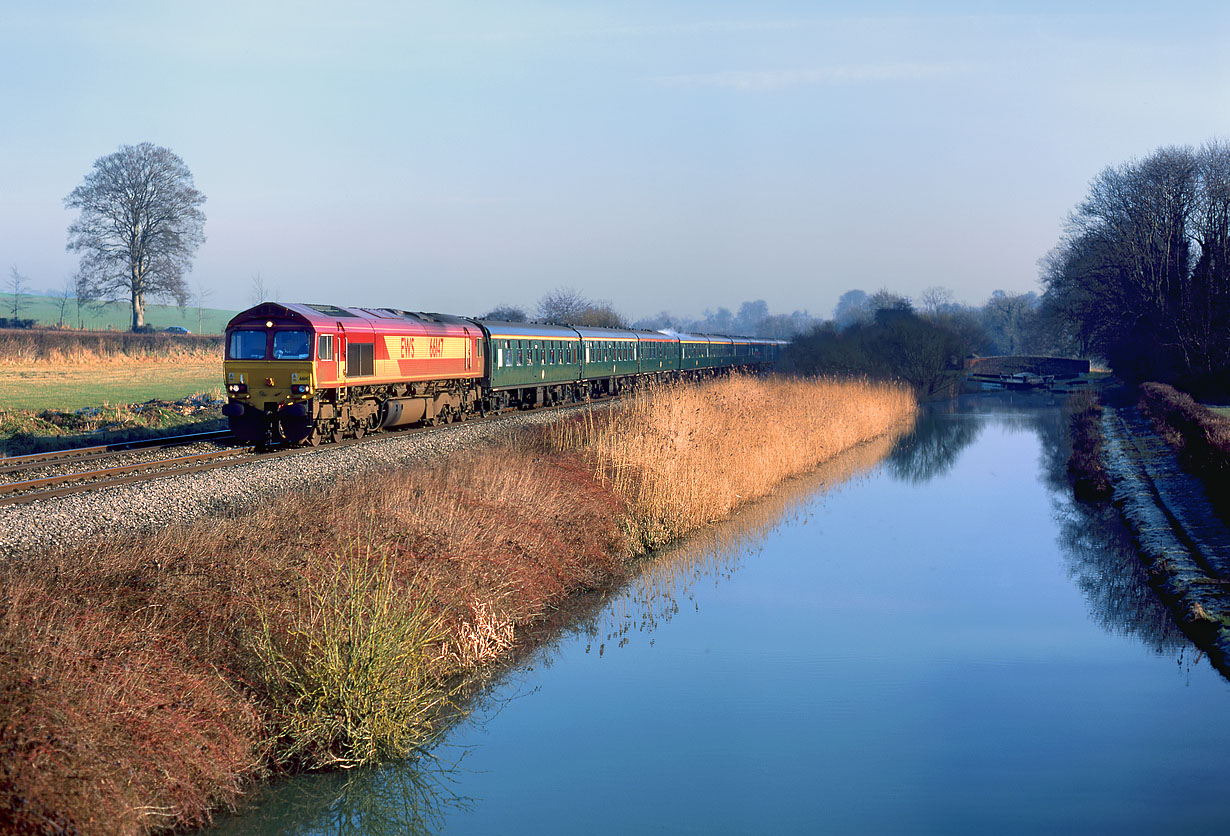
(1185, 546)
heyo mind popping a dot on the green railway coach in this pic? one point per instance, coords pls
(528, 365)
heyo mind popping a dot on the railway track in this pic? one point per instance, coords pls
(76, 455)
(23, 491)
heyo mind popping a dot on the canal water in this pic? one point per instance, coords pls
(928, 638)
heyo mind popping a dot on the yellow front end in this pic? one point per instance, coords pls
(267, 397)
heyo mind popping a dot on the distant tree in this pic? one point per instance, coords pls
(562, 305)
(721, 321)
(660, 321)
(257, 291)
(66, 293)
(750, 315)
(852, 307)
(200, 296)
(17, 285)
(896, 345)
(935, 300)
(568, 306)
(506, 313)
(139, 228)
(885, 300)
(1011, 320)
(601, 315)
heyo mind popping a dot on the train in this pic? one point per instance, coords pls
(303, 374)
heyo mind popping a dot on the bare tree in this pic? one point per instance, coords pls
(139, 228)
(506, 313)
(259, 293)
(564, 305)
(66, 293)
(936, 299)
(200, 296)
(17, 286)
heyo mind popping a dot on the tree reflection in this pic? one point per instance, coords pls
(1100, 555)
(933, 447)
(1101, 559)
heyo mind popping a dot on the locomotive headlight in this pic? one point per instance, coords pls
(299, 389)
(237, 388)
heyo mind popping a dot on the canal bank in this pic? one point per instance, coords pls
(860, 658)
(1184, 544)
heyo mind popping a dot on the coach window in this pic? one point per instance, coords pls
(324, 347)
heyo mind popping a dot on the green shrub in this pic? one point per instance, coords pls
(347, 673)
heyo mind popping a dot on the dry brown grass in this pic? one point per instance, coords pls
(144, 682)
(683, 457)
(56, 349)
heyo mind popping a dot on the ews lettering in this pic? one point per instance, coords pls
(407, 347)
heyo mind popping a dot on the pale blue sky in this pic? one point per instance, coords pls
(681, 155)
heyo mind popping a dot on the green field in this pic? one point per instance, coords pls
(117, 316)
(68, 388)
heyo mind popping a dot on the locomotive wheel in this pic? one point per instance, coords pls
(336, 435)
(360, 430)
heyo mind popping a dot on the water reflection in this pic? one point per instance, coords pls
(411, 797)
(666, 580)
(1096, 553)
(1096, 546)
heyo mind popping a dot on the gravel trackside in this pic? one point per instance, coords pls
(28, 530)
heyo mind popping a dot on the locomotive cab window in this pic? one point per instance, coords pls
(324, 347)
(291, 345)
(247, 345)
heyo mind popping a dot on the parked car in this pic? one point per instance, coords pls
(176, 329)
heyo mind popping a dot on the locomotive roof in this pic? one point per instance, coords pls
(324, 316)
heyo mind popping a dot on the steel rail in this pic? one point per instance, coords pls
(29, 461)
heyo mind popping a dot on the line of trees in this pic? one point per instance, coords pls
(1142, 275)
(569, 306)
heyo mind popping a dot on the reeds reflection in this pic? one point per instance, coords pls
(409, 797)
(666, 580)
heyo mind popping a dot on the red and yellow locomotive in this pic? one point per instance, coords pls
(313, 373)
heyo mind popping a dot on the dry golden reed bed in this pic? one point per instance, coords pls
(684, 457)
(144, 683)
(54, 348)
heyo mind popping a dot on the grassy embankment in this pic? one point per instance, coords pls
(58, 386)
(1086, 463)
(1200, 437)
(143, 682)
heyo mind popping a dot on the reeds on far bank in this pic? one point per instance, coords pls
(686, 456)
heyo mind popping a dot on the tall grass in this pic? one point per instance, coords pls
(98, 348)
(685, 456)
(347, 670)
(144, 681)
